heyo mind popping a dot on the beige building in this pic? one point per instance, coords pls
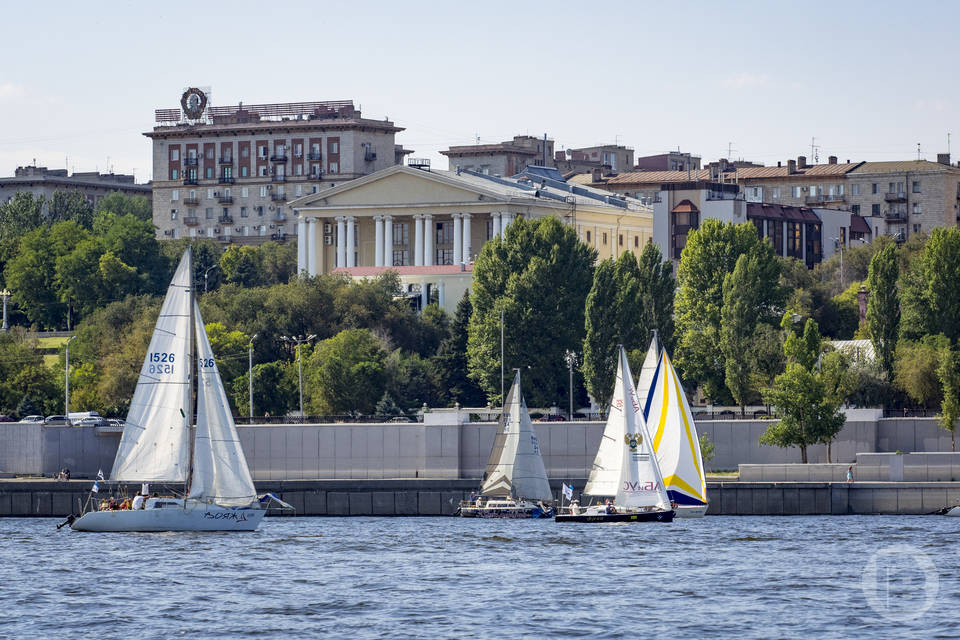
(229, 172)
(608, 158)
(43, 183)
(503, 159)
(430, 225)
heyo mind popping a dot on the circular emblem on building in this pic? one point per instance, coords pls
(193, 101)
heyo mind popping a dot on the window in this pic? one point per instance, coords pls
(874, 188)
(775, 193)
(620, 240)
(175, 194)
(444, 256)
(400, 257)
(795, 192)
(900, 187)
(298, 169)
(226, 192)
(875, 209)
(174, 155)
(243, 212)
(839, 189)
(209, 193)
(263, 191)
(193, 194)
(299, 190)
(173, 214)
(401, 237)
(245, 192)
(855, 209)
(244, 172)
(916, 186)
(916, 228)
(636, 242)
(916, 208)
(604, 237)
(315, 170)
(298, 150)
(209, 172)
(588, 236)
(262, 151)
(208, 213)
(334, 147)
(174, 174)
(855, 189)
(892, 188)
(259, 211)
(334, 167)
(209, 153)
(445, 233)
(227, 172)
(489, 229)
(262, 171)
(244, 151)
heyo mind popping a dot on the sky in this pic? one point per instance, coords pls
(866, 80)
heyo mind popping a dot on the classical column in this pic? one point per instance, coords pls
(505, 220)
(467, 245)
(351, 241)
(341, 242)
(378, 250)
(428, 233)
(441, 298)
(418, 240)
(424, 300)
(457, 239)
(315, 247)
(301, 245)
(784, 240)
(388, 241)
(495, 233)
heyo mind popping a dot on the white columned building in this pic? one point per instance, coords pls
(429, 232)
(341, 242)
(388, 241)
(466, 251)
(351, 241)
(441, 297)
(315, 246)
(379, 245)
(495, 232)
(424, 300)
(418, 240)
(301, 245)
(457, 239)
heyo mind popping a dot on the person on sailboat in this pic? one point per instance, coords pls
(138, 501)
(575, 507)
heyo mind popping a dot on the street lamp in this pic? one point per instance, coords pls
(5, 294)
(298, 340)
(206, 274)
(66, 386)
(250, 355)
(571, 359)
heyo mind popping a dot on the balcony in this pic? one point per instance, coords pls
(895, 216)
(315, 156)
(225, 199)
(278, 157)
(225, 219)
(824, 198)
(278, 178)
(279, 217)
(899, 196)
(226, 160)
(278, 197)
(191, 202)
(191, 221)
(190, 182)
(191, 162)
(278, 237)
(226, 180)
(682, 229)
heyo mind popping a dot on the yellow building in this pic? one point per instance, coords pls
(428, 226)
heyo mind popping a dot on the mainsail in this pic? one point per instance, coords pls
(155, 442)
(516, 466)
(220, 472)
(675, 437)
(640, 483)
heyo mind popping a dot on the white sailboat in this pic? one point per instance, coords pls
(515, 483)
(157, 447)
(625, 467)
(675, 440)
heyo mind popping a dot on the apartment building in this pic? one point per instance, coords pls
(43, 182)
(672, 161)
(608, 158)
(229, 172)
(502, 159)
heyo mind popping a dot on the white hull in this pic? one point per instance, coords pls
(955, 512)
(192, 516)
(692, 511)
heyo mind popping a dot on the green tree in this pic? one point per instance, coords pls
(948, 370)
(710, 254)
(915, 369)
(538, 276)
(122, 204)
(738, 322)
(346, 374)
(70, 205)
(604, 331)
(20, 215)
(386, 407)
(409, 379)
(229, 348)
(278, 262)
(930, 290)
(883, 305)
(657, 290)
(450, 362)
(275, 390)
(242, 265)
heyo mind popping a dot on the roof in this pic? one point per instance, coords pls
(903, 166)
(816, 170)
(859, 225)
(581, 178)
(657, 177)
(484, 149)
(781, 212)
(685, 206)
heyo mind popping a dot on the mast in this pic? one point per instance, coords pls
(191, 377)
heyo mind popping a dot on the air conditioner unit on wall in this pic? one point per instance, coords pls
(327, 239)
(327, 227)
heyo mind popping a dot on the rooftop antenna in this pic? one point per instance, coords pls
(948, 143)
(918, 152)
(814, 150)
(729, 150)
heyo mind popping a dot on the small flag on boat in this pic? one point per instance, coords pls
(100, 474)
(95, 488)
(568, 492)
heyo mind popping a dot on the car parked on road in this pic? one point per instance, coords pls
(63, 421)
(32, 419)
(5, 418)
(91, 421)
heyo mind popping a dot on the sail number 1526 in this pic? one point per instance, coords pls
(160, 362)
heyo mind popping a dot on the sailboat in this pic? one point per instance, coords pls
(515, 483)
(625, 468)
(667, 413)
(158, 444)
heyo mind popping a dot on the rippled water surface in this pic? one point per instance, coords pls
(747, 577)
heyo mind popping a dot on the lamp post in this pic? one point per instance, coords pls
(571, 359)
(840, 242)
(298, 340)
(206, 274)
(5, 294)
(250, 356)
(66, 386)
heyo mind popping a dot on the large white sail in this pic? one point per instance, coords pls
(155, 442)
(647, 373)
(640, 483)
(516, 466)
(675, 437)
(604, 477)
(220, 472)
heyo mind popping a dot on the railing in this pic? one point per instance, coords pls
(824, 197)
(315, 156)
(898, 196)
(190, 182)
(227, 180)
(278, 178)
(227, 219)
(279, 237)
(226, 160)
(191, 162)
(895, 215)
(225, 199)
(191, 220)
(278, 157)
(278, 197)
(279, 217)
(191, 202)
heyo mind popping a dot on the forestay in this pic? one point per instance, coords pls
(155, 442)
(675, 437)
(516, 466)
(220, 472)
(640, 483)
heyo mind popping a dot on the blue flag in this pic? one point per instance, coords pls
(568, 491)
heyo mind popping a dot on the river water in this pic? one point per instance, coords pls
(717, 577)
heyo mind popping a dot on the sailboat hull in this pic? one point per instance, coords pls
(642, 516)
(192, 516)
(691, 511)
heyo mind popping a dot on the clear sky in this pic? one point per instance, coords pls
(869, 80)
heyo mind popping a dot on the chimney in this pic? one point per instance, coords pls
(801, 162)
(791, 167)
(597, 175)
(723, 165)
(779, 164)
(943, 158)
(832, 160)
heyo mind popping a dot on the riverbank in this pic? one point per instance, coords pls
(51, 498)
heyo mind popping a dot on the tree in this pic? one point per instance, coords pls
(278, 262)
(604, 331)
(930, 291)
(883, 305)
(738, 320)
(121, 205)
(386, 407)
(20, 215)
(241, 265)
(807, 415)
(229, 348)
(31, 275)
(409, 379)
(275, 390)
(948, 370)
(657, 290)
(70, 205)
(450, 362)
(804, 348)
(915, 369)
(710, 254)
(538, 276)
(346, 374)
